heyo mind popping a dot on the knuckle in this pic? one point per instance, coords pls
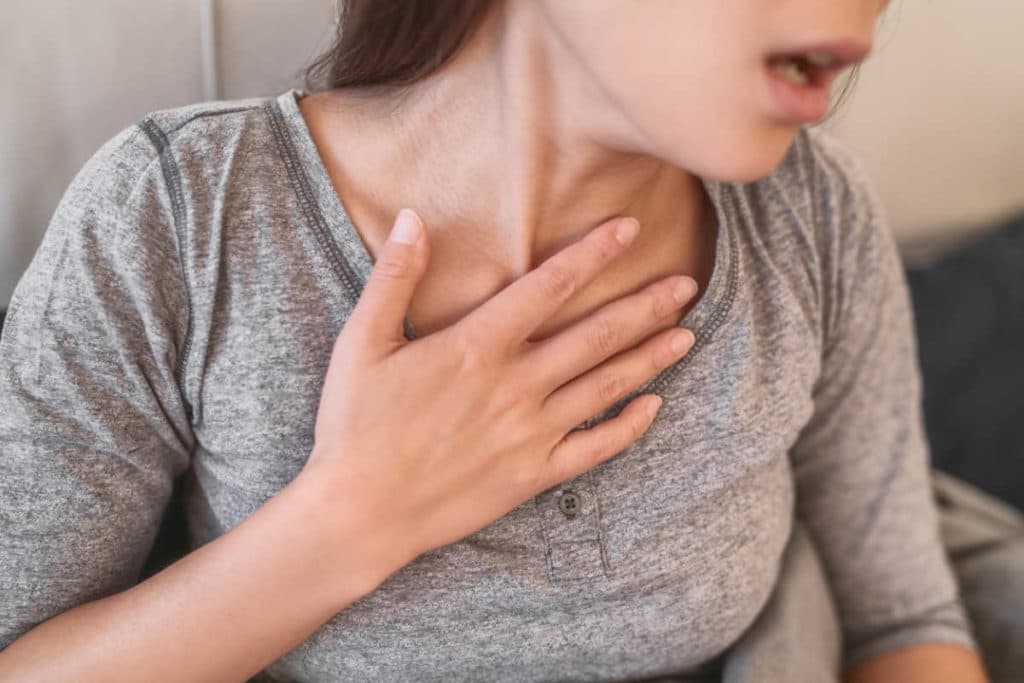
(607, 248)
(610, 387)
(509, 393)
(558, 281)
(603, 336)
(595, 452)
(661, 356)
(469, 348)
(390, 267)
(636, 429)
(529, 477)
(660, 302)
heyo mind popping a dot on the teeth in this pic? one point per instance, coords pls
(789, 69)
(819, 58)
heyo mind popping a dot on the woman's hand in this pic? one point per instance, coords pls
(432, 439)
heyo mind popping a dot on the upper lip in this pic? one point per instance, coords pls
(842, 52)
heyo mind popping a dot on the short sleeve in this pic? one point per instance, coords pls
(862, 464)
(93, 427)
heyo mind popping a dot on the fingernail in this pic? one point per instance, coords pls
(407, 227)
(626, 230)
(682, 341)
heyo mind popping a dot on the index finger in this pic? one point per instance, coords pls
(515, 312)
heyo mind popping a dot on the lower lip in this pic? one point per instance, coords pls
(808, 103)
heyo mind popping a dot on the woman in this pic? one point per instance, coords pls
(459, 477)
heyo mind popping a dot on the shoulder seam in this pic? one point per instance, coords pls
(858, 201)
(826, 307)
(172, 178)
(206, 114)
(307, 200)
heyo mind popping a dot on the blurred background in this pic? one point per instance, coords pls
(937, 117)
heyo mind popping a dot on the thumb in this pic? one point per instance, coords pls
(385, 299)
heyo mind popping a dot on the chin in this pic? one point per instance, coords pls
(747, 169)
(740, 159)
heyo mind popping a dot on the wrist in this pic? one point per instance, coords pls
(357, 550)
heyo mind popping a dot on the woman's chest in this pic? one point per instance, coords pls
(672, 544)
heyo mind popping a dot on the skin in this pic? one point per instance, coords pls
(568, 113)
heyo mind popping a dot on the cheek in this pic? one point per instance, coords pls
(695, 96)
(718, 129)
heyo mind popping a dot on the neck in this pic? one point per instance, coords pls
(508, 151)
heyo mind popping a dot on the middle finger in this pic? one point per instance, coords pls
(615, 326)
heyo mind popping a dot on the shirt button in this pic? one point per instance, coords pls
(569, 503)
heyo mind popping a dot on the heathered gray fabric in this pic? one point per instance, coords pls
(179, 316)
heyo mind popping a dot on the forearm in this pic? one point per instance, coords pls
(224, 611)
(926, 663)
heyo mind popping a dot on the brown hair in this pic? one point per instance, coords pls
(386, 45)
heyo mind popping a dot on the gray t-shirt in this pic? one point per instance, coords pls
(178, 318)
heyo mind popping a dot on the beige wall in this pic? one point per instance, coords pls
(74, 72)
(938, 114)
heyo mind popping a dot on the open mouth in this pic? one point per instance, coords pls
(816, 66)
(811, 69)
(800, 79)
